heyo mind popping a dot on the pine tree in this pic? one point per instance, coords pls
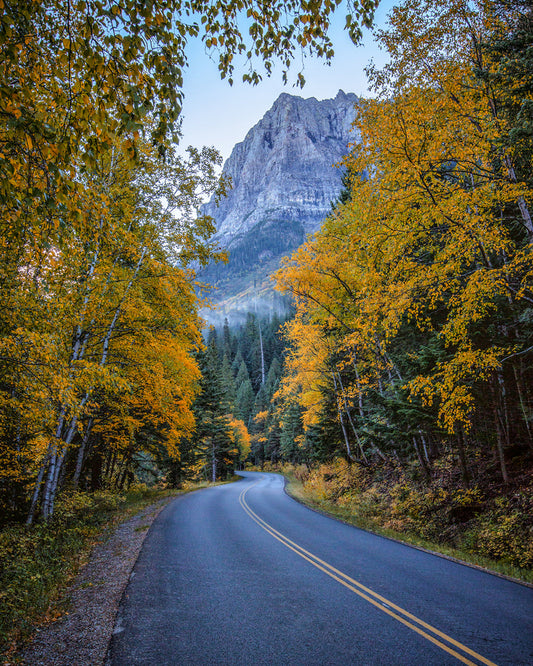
(273, 377)
(229, 392)
(292, 434)
(227, 342)
(212, 435)
(244, 403)
(242, 375)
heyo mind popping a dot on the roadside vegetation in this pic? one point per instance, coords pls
(487, 529)
(400, 392)
(407, 388)
(38, 563)
(101, 232)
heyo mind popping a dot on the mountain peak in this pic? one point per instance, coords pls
(284, 180)
(341, 95)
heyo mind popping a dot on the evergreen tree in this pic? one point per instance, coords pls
(273, 434)
(213, 434)
(242, 375)
(250, 371)
(236, 366)
(273, 377)
(227, 342)
(251, 350)
(229, 393)
(244, 403)
(292, 434)
(261, 401)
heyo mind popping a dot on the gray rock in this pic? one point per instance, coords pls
(285, 178)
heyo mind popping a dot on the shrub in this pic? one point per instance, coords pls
(505, 532)
(36, 562)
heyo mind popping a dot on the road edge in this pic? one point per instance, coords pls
(470, 565)
(94, 597)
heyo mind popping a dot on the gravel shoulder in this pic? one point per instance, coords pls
(82, 636)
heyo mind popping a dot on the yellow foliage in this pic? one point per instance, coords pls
(242, 437)
(424, 237)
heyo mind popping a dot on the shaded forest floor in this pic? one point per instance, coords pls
(486, 523)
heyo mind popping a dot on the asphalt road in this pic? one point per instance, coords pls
(243, 574)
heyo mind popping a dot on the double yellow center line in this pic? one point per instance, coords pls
(422, 628)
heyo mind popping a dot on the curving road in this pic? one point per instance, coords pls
(243, 574)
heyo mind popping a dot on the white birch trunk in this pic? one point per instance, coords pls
(57, 460)
(348, 414)
(81, 453)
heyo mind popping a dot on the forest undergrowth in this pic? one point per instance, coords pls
(483, 524)
(38, 562)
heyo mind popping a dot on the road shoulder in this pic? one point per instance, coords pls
(297, 497)
(83, 635)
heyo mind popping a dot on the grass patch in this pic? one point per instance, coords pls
(37, 563)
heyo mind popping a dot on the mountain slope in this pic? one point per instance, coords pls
(284, 180)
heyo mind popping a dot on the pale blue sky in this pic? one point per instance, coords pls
(220, 115)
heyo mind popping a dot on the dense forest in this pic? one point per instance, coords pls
(100, 338)
(410, 353)
(407, 360)
(406, 387)
(241, 370)
(414, 300)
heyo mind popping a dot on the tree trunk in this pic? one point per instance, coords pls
(262, 354)
(81, 453)
(498, 426)
(213, 461)
(425, 449)
(121, 479)
(37, 490)
(347, 410)
(110, 466)
(421, 460)
(96, 470)
(51, 456)
(522, 205)
(523, 405)
(359, 394)
(460, 438)
(343, 427)
(52, 483)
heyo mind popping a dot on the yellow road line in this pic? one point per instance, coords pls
(366, 593)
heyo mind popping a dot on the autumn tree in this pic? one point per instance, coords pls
(112, 287)
(98, 221)
(418, 281)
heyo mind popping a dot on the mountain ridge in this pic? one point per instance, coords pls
(284, 181)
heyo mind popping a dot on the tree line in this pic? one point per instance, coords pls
(413, 329)
(241, 368)
(99, 329)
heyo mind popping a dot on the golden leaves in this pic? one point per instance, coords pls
(428, 242)
(104, 326)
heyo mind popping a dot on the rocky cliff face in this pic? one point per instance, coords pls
(284, 180)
